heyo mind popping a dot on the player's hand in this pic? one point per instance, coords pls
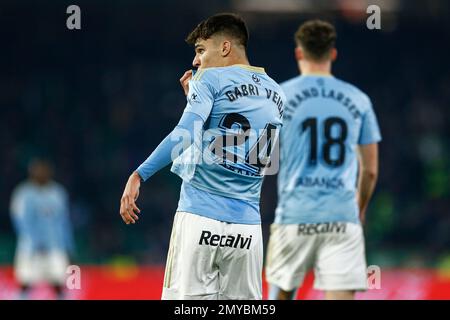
(362, 211)
(128, 208)
(362, 217)
(184, 81)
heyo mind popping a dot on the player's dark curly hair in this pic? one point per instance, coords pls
(317, 38)
(226, 23)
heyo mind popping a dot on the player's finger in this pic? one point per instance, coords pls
(133, 211)
(129, 210)
(185, 81)
(186, 76)
(130, 215)
(135, 207)
(124, 211)
(123, 214)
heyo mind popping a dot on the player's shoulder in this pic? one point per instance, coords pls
(356, 93)
(22, 188)
(293, 84)
(207, 76)
(292, 81)
(24, 192)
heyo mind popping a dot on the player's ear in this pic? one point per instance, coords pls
(226, 48)
(333, 54)
(298, 53)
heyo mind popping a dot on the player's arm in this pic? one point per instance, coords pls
(369, 138)
(368, 174)
(200, 100)
(23, 216)
(188, 126)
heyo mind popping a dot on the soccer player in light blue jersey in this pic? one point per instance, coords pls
(40, 214)
(328, 171)
(222, 147)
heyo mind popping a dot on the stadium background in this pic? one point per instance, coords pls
(98, 100)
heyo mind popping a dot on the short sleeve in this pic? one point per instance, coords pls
(18, 203)
(370, 131)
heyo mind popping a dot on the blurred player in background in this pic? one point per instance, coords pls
(329, 126)
(40, 214)
(216, 243)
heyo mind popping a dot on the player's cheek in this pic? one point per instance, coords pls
(201, 57)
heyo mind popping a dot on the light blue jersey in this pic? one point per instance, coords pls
(222, 173)
(41, 217)
(325, 120)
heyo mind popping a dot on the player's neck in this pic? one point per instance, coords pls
(39, 183)
(237, 59)
(312, 68)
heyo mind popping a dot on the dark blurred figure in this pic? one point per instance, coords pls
(40, 213)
